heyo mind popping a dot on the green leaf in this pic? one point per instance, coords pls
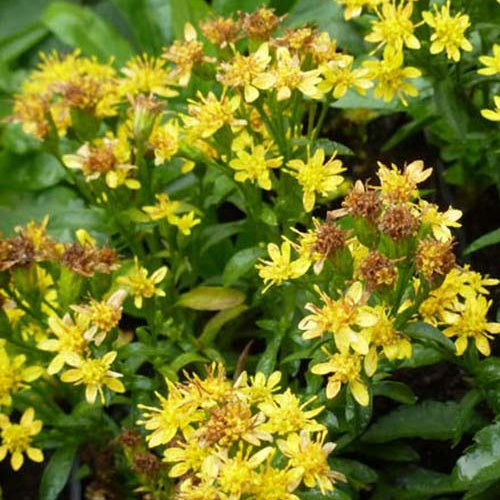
(392, 452)
(215, 323)
(423, 355)
(352, 100)
(488, 371)
(80, 27)
(211, 298)
(142, 19)
(354, 470)
(226, 7)
(450, 106)
(407, 130)
(481, 462)
(188, 11)
(427, 420)
(267, 361)
(13, 46)
(240, 264)
(486, 240)
(186, 359)
(395, 390)
(336, 494)
(329, 146)
(426, 332)
(56, 473)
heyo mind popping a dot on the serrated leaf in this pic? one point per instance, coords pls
(240, 264)
(211, 298)
(481, 462)
(56, 473)
(424, 331)
(427, 420)
(81, 27)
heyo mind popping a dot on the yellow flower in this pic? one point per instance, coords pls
(448, 31)
(248, 72)
(185, 54)
(236, 476)
(353, 8)
(316, 176)
(280, 268)
(109, 157)
(394, 26)
(276, 484)
(188, 456)
(286, 414)
(164, 140)
(209, 114)
(186, 222)
(94, 374)
(439, 222)
(104, 314)
(142, 286)
(401, 187)
(339, 76)
(493, 114)
(71, 339)
(16, 439)
(259, 389)
(254, 166)
(14, 376)
(492, 63)
(146, 75)
(176, 413)
(289, 76)
(383, 335)
(391, 76)
(310, 459)
(471, 322)
(346, 369)
(342, 318)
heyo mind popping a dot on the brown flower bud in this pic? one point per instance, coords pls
(377, 270)
(363, 202)
(434, 258)
(398, 222)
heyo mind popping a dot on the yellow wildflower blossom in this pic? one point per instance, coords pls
(287, 414)
(346, 369)
(276, 484)
(248, 72)
(353, 8)
(108, 157)
(391, 76)
(146, 75)
(94, 374)
(258, 389)
(394, 26)
(289, 76)
(340, 76)
(309, 457)
(209, 114)
(142, 286)
(316, 176)
(384, 336)
(164, 140)
(471, 322)
(169, 209)
(439, 222)
(16, 439)
(448, 31)
(401, 187)
(14, 375)
(492, 63)
(185, 54)
(280, 268)
(254, 166)
(71, 339)
(104, 314)
(187, 456)
(177, 413)
(493, 114)
(342, 318)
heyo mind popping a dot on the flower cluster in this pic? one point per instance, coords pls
(223, 439)
(398, 252)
